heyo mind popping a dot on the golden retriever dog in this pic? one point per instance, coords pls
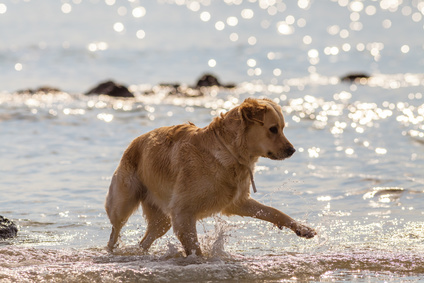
(183, 173)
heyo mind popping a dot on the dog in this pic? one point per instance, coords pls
(181, 174)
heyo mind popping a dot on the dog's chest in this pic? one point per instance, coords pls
(237, 182)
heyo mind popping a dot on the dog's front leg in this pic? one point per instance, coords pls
(252, 208)
(185, 229)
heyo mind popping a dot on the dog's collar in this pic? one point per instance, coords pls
(253, 181)
(235, 157)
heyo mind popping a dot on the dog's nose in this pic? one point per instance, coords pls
(290, 151)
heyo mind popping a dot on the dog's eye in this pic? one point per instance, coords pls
(273, 130)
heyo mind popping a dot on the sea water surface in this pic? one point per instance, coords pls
(357, 176)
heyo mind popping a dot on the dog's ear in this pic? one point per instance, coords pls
(251, 111)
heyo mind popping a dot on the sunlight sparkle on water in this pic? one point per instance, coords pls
(194, 6)
(141, 34)
(324, 198)
(105, 117)
(380, 150)
(118, 27)
(234, 37)
(122, 11)
(285, 28)
(18, 67)
(66, 8)
(252, 40)
(285, 24)
(277, 72)
(139, 12)
(356, 6)
(349, 151)
(205, 16)
(314, 152)
(232, 21)
(247, 14)
(97, 46)
(69, 111)
(404, 48)
(251, 63)
(220, 25)
(307, 39)
(303, 4)
(3, 8)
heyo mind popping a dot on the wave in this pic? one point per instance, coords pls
(20, 264)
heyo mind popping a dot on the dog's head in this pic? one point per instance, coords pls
(264, 125)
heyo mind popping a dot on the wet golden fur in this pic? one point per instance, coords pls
(183, 173)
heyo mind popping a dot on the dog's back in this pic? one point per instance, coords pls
(153, 160)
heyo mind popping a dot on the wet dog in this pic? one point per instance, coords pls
(183, 173)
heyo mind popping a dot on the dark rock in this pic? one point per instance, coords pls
(8, 229)
(201, 87)
(40, 90)
(112, 89)
(48, 89)
(208, 80)
(355, 78)
(170, 88)
(171, 85)
(229, 85)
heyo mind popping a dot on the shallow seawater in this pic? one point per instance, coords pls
(357, 176)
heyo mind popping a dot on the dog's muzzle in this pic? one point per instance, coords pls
(290, 151)
(283, 154)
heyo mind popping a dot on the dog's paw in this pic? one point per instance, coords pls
(304, 231)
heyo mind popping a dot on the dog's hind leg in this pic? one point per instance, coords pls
(122, 200)
(158, 223)
(185, 230)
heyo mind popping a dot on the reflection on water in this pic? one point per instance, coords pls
(383, 197)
